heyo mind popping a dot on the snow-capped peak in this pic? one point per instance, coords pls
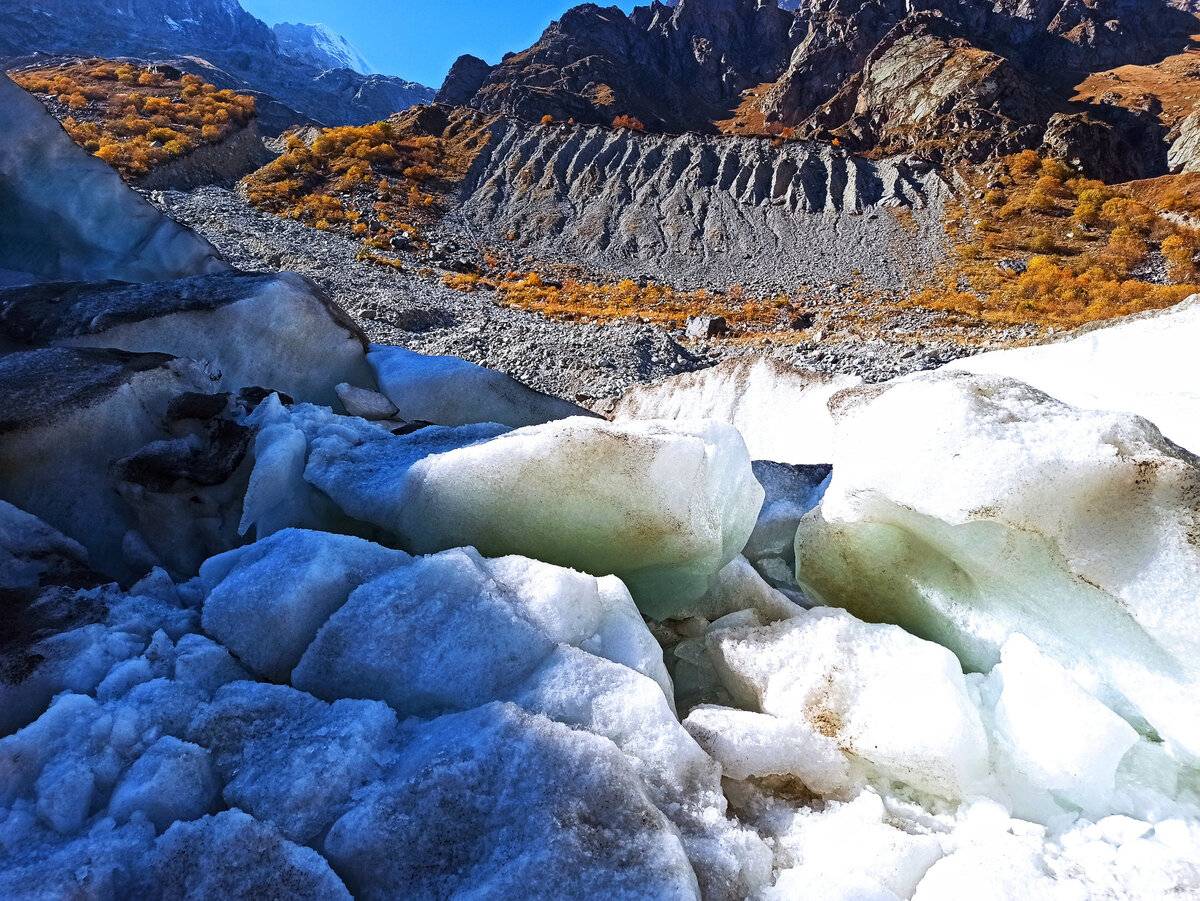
(321, 46)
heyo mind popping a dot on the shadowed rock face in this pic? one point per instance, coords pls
(704, 204)
(464, 80)
(675, 68)
(65, 215)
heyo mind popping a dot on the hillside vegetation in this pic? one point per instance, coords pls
(137, 118)
(375, 182)
(1041, 245)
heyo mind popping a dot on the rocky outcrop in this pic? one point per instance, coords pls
(674, 68)
(926, 91)
(707, 207)
(950, 80)
(1184, 152)
(220, 164)
(219, 32)
(1108, 142)
(463, 81)
(96, 229)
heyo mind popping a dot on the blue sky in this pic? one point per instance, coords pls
(419, 39)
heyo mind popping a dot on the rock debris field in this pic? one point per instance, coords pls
(288, 610)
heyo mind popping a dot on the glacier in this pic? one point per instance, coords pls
(298, 617)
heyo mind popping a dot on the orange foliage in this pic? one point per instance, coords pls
(1083, 243)
(574, 300)
(631, 122)
(374, 181)
(136, 118)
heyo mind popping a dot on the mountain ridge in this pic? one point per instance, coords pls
(218, 31)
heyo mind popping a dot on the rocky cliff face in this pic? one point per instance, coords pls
(703, 207)
(948, 79)
(673, 67)
(219, 31)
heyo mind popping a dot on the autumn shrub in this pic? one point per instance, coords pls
(631, 122)
(374, 182)
(137, 118)
(1090, 270)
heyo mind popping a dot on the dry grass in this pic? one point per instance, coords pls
(1174, 83)
(372, 182)
(576, 300)
(748, 118)
(136, 119)
(1084, 245)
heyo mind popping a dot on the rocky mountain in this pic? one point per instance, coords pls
(321, 46)
(950, 79)
(673, 68)
(219, 32)
(705, 210)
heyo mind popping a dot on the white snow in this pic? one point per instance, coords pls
(781, 411)
(1144, 364)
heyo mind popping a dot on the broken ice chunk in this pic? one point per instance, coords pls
(893, 701)
(453, 391)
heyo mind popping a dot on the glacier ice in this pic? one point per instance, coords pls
(173, 780)
(573, 820)
(1142, 364)
(897, 707)
(791, 491)
(454, 391)
(664, 506)
(780, 410)
(1076, 528)
(267, 601)
(1053, 734)
(66, 215)
(290, 336)
(233, 855)
(291, 760)
(68, 416)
